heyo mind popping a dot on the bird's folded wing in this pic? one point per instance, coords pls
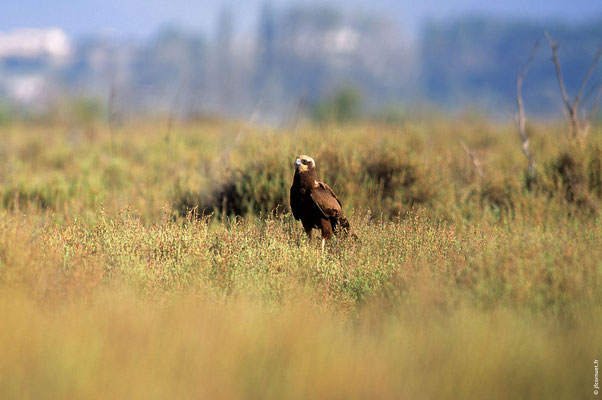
(295, 207)
(326, 200)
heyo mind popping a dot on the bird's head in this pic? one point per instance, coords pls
(304, 163)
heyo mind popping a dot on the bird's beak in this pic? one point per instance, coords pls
(297, 162)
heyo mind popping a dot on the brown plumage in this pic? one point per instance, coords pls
(314, 203)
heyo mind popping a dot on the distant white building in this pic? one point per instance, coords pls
(35, 42)
(51, 46)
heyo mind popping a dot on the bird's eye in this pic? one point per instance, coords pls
(304, 161)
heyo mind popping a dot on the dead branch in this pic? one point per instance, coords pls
(298, 119)
(521, 118)
(587, 76)
(111, 114)
(554, 46)
(474, 159)
(594, 107)
(111, 120)
(577, 128)
(591, 90)
(173, 111)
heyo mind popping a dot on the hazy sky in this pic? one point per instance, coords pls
(142, 17)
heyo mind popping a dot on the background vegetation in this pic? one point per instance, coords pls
(136, 262)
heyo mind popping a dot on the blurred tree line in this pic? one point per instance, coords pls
(322, 61)
(475, 60)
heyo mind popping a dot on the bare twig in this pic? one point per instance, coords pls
(578, 129)
(474, 159)
(298, 120)
(591, 90)
(221, 164)
(172, 111)
(111, 107)
(554, 46)
(594, 107)
(242, 131)
(521, 118)
(587, 76)
(111, 113)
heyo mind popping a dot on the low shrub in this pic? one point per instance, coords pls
(260, 187)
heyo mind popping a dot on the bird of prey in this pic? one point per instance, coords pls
(314, 203)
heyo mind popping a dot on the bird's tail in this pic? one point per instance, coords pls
(341, 225)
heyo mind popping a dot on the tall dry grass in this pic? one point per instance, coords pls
(458, 286)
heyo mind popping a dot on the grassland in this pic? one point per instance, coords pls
(137, 263)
